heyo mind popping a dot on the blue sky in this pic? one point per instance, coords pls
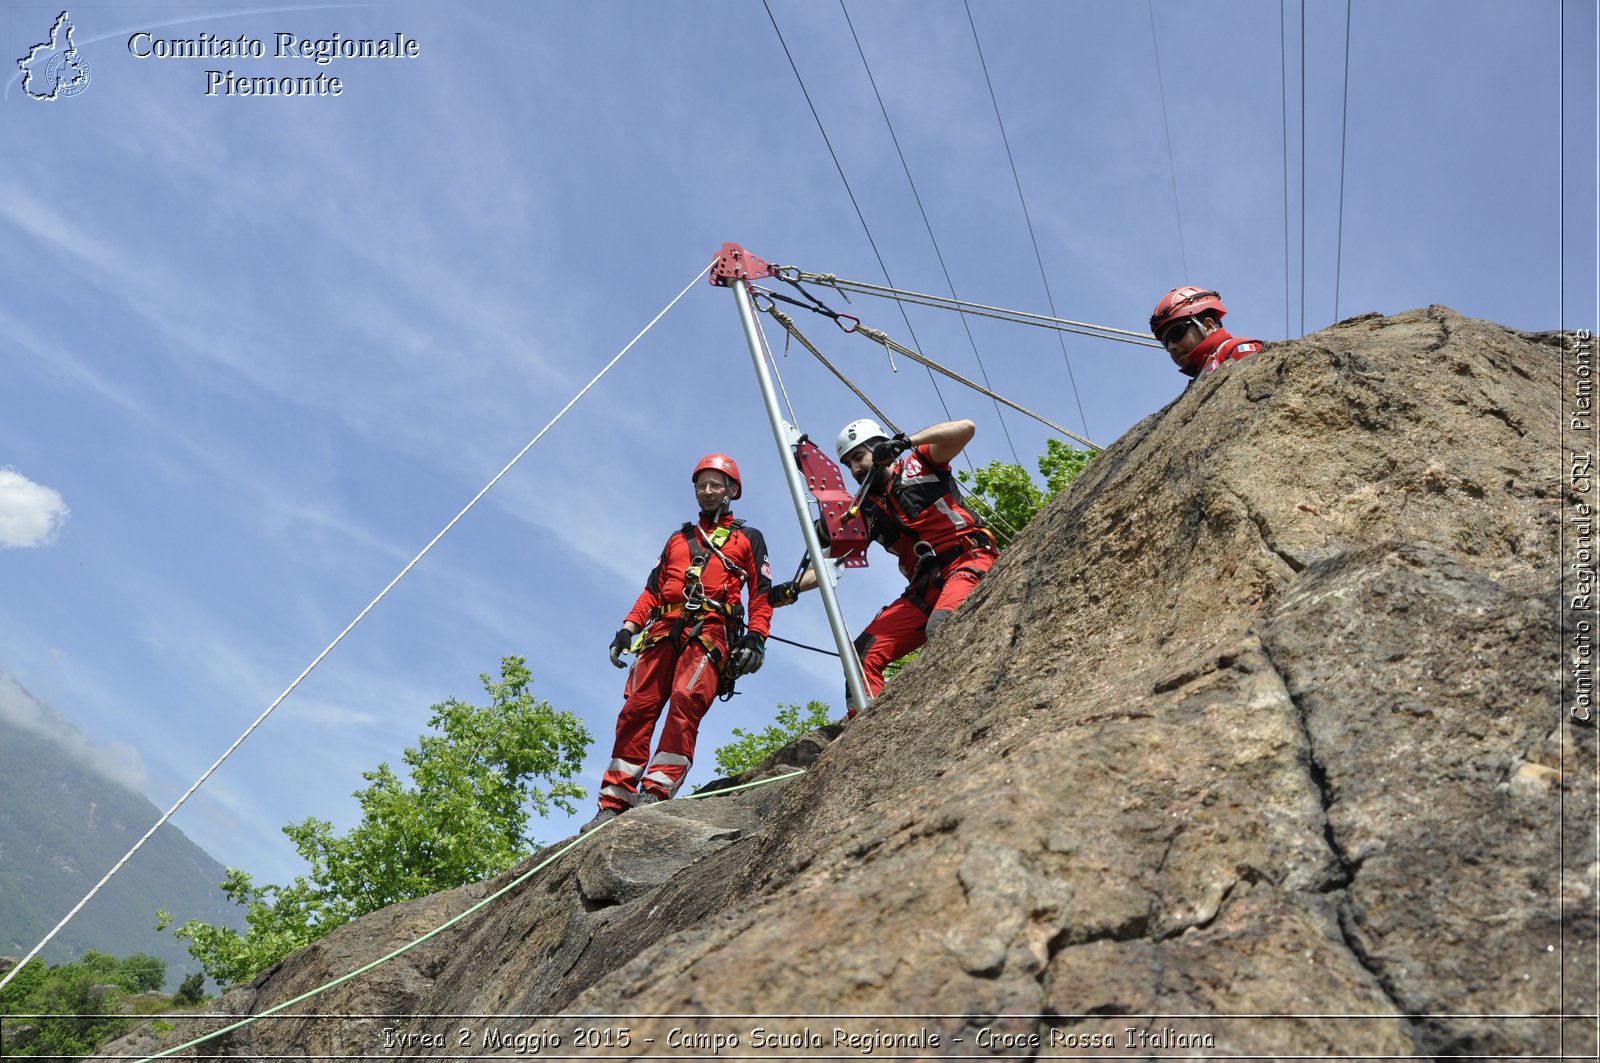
(258, 351)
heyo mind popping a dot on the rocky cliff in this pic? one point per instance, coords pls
(1253, 744)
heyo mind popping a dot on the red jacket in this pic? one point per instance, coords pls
(921, 503)
(1219, 348)
(745, 550)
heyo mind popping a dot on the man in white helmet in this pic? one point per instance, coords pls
(913, 509)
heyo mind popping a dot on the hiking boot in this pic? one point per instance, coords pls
(647, 798)
(601, 818)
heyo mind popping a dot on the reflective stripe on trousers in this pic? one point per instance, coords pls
(681, 681)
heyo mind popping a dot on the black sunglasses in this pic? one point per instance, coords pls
(1174, 331)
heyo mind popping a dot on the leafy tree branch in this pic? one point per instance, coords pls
(460, 816)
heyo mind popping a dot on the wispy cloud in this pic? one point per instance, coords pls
(117, 762)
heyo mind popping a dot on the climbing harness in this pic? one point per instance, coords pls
(697, 606)
(929, 573)
(701, 547)
(929, 570)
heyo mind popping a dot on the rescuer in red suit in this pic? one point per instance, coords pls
(694, 630)
(1188, 322)
(913, 509)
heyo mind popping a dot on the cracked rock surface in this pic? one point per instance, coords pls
(1254, 737)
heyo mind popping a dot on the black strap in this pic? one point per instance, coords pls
(930, 567)
(888, 507)
(700, 551)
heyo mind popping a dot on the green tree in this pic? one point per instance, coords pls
(278, 920)
(1007, 497)
(462, 817)
(191, 991)
(751, 748)
(79, 1004)
(142, 973)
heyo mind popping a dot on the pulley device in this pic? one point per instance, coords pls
(841, 527)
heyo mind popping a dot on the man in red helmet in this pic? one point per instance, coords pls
(1188, 322)
(694, 629)
(913, 508)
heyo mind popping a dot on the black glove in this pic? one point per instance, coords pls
(748, 655)
(619, 645)
(783, 594)
(890, 449)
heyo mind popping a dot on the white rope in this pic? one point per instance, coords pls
(879, 336)
(348, 628)
(766, 350)
(788, 323)
(940, 302)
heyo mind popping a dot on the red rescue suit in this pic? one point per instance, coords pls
(685, 642)
(1219, 348)
(943, 549)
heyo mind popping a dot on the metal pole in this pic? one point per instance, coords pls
(853, 682)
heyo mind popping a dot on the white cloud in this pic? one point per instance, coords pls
(30, 513)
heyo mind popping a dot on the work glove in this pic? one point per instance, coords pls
(783, 594)
(890, 449)
(748, 655)
(619, 645)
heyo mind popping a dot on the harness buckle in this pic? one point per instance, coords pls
(694, 592)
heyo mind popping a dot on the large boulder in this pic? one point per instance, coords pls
(1252, 744)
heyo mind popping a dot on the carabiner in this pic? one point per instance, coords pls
(839, 319)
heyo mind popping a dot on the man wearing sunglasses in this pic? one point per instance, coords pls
(1188, 322)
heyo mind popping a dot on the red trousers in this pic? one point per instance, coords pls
(902, 625)
(678, 674)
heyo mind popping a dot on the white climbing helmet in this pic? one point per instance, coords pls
(856, 433)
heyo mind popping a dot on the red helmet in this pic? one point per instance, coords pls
(723, 464)
(1187, 301)
(1179, 304)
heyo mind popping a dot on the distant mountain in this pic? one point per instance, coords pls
(64, 821)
